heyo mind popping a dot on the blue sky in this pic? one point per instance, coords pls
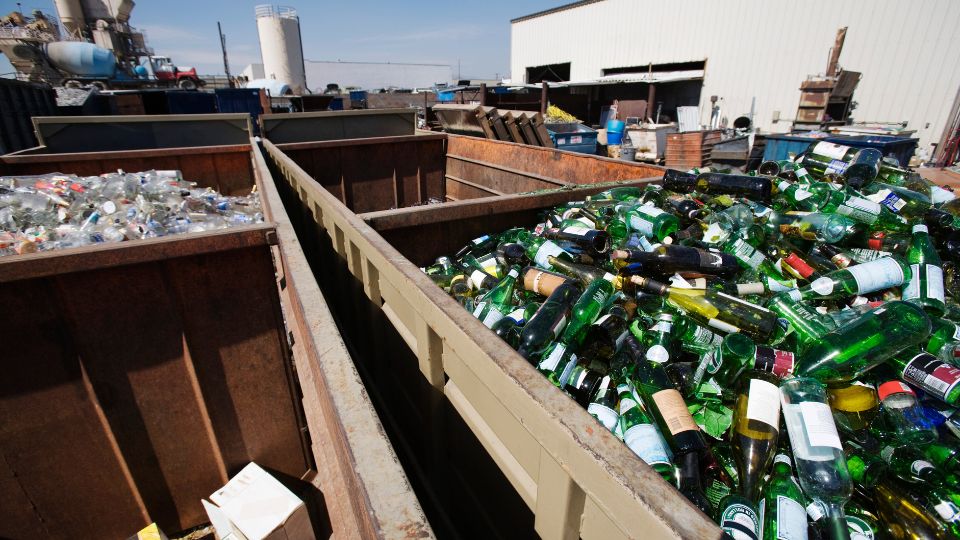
(371, 30)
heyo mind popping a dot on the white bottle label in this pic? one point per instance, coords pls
(479, 309)
(740, 522)
(818, 424)
(553, 359)
(658, 354)
(646, 443)
(547, 249)
(747, 254)
(650, 210)
(877, 275)
(948, 511)
(939, 195)
(641, 225)
(860, 209)
(791, 519)
(492, 317)
(822, 286)
(477, 278)
(763, 403)
(607, 416)
(830, 150)
(935, 282)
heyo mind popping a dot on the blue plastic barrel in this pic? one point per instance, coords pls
(615, 131)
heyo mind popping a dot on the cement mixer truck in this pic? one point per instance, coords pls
(119, 57)
(86, 64)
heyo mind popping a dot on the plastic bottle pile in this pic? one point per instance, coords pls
(57, 211)
(685, 317)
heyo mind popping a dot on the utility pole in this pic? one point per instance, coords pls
(223, 47)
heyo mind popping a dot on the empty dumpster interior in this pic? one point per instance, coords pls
(479, 431)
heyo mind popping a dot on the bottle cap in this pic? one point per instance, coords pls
(783, 458)
(893, 387)
(920, 227)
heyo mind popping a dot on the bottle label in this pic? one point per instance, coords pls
(740, 522)
(763, 403)
(863, 255)
(935, 282)
(547, 249)
(876, 275)
(776, 285)
(607, 416)
(674, 411)
(658, 353)
(836, 166)
(716, 491)
(801, 172)
(641, 225)
(939, 195)
(775, 361)
(859, 529)
(650, 210)
(646, 443)
(919, 466)
(477, 278)
(932, 375)
(704, 336)
(747, 254)
(722, 326)
(815, 511)
(892, 201)
(480, 240)
(479, 309)
(567, 370)
(558, 326)
(822, 286)
(803, 269)
(830, 150)
(818, 424)
(860, 209)
(518, 315)
(709, 259)
(552, 360)
(577, 231)
(801, 194)
(744, 289)
(948, 511)
(492, 317)
(626, 403)
(791, 519)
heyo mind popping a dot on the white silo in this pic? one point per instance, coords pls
(280, 46)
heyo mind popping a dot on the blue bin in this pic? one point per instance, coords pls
(615, 131)
(241, 100)
(358, 95)
(336, 104)
(780, 147)
(901, 148)
(582, 140)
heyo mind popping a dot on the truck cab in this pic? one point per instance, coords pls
(169, 74)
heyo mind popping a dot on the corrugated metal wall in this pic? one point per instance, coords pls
(907, 51)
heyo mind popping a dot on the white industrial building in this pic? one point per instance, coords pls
(754, 54)
(366, 75)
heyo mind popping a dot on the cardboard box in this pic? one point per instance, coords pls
(255, 506)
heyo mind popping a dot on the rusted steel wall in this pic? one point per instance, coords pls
(496, 164)
(378, 173)
(138, 377)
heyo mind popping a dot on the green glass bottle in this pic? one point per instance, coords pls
(480, 276)
(931, 374)
(859, 279)
(851, 350)
(539, 250)
(756, 427)
(806, 324)
(603, 404)
(585, 273)
(641, 434)
(498, 301)
(925, 286)
(784, 517)
(798, 197)
(814, 226)
(944, 455)
(659, 338)
(649, 221)
(944, 331)
(860, 209)
(548, 322)
(900, 200)
(817, 452)
(555, 362)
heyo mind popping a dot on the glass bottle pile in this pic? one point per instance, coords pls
(687, 316)
(56, 211)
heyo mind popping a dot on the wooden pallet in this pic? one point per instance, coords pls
(690, 149)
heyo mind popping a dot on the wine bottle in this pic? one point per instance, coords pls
(860, 279)
(542, 282)
(583, 313)
(899, 200)
(935, 377)
(597, 242)
(925, 286)
(649, 221)
(807, 324)
(749, 187)
(641, 434)
(676, 424)
(548, 322)
(851, 350)
(716, 309)
(813, 226)
(820, 462)
(498, 301)
(603, 405)
(668, 259)
(854, 406)
(784, 517)
(585, 273)
(756, 426)
(539, 250)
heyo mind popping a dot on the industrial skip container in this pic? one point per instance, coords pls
(456, 385)
(140, 376)
(337, 125)
(68, 134)
(18, 102)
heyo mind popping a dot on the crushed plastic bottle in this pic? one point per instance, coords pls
(59, 211)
